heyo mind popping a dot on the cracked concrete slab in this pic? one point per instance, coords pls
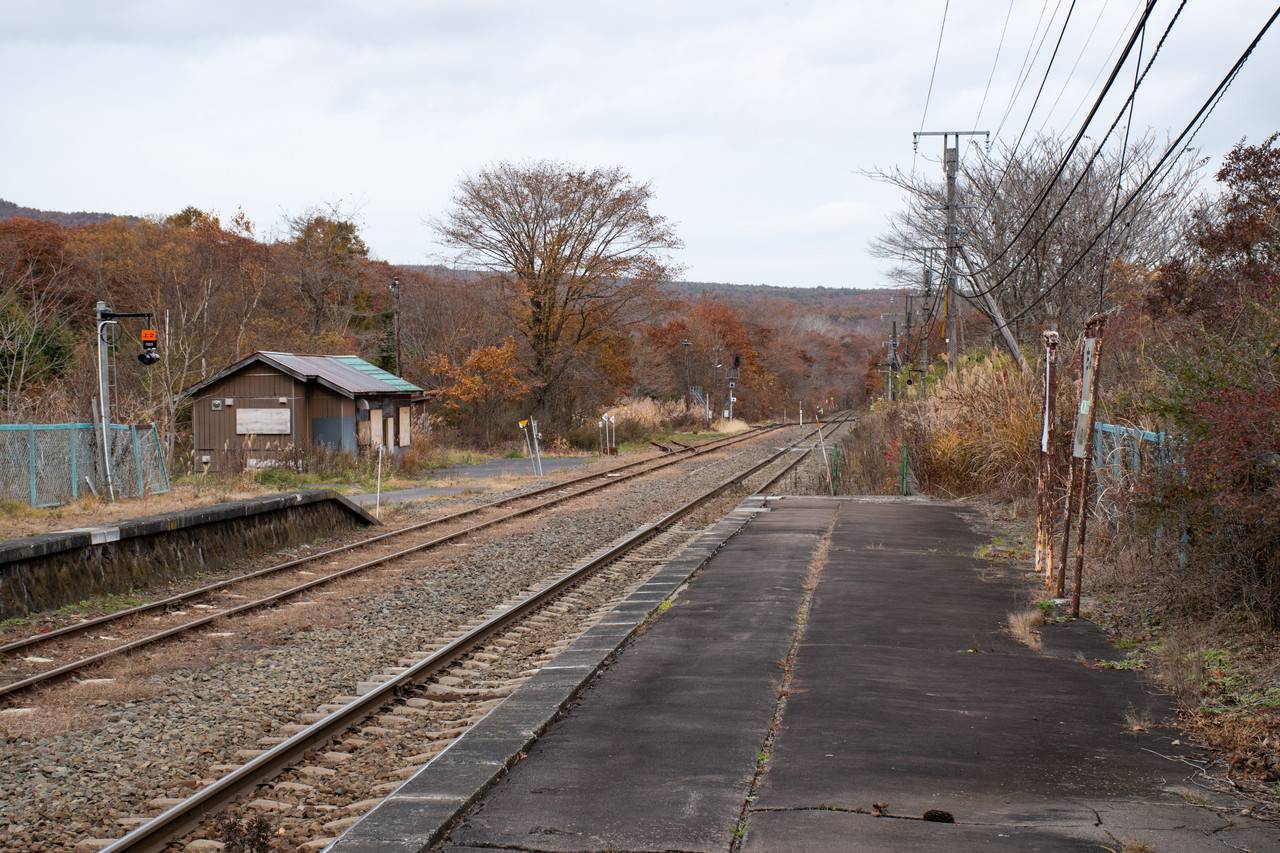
(909, 695)
(660, 750)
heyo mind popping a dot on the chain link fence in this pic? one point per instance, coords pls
(51, 464)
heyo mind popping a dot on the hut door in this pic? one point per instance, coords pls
(375, 428)
(389, 427)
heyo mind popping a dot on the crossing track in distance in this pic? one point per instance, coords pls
(555, 494)
(795, 463)
(186, 815)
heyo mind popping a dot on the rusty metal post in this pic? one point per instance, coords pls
(1048, 433)
(1083, 443)
(1060, 578)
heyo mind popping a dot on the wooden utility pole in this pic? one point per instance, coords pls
(1082, 446)
(1088, 358)
(951, 167)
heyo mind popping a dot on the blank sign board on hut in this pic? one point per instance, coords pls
(262, 422)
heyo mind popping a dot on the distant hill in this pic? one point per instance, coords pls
(849, 295)
(824, 295)
(9, 210)
(835, 311)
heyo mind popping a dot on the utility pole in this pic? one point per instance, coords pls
(104, 317)
(893, 358)
(908, 310)
(733, 374)
(395, 321)
(927, 303)
(924, 324)
(685, 344)
(950, 164)
(950, 167)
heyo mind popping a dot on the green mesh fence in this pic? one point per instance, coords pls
(51, 464)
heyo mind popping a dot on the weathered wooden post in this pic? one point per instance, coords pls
(1082, 445)
(1048, 434)
(1060, 579)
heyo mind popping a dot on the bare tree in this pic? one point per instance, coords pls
(578, 251)
(322, 264)
(35, 343)
(1031, 263)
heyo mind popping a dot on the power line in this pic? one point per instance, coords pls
(994, 63)
(1197, 122)
(936, 52)
(929, 94)
(1045, 78)
(1022, 69)
(1124, 150)
(1079, 56)
(1088, 165)
(1036, 101)
(1043, 195)
(1084, 99)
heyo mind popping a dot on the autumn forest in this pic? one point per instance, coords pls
(579, 310)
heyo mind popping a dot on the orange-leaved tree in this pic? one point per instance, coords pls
(478, 391)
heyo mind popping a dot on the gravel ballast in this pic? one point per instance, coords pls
(161, 731)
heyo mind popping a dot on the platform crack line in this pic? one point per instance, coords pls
(889, 816)
(817, 564)
(524, 848)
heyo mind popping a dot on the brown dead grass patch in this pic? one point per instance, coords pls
(1022, 625)
(41, 722)
(1133, 847)
(89, 511)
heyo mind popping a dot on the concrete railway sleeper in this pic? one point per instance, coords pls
(552, 496)
(332, 766)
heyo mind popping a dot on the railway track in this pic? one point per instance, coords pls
(136, 627)
(336, 763)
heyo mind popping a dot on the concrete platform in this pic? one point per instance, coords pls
(905, 698)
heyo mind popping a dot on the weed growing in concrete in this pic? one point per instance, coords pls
(1022, 627)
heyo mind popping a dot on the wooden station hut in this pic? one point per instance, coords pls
(268, 404)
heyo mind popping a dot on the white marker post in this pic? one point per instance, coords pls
(377, 499)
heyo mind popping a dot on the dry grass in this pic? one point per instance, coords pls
(91, 512)
(978, 433)
(1022, 625)
(731, 426)
(645, 414)
(1136, 722)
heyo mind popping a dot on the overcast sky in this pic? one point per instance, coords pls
(750, 119)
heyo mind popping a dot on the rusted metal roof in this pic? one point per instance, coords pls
(347, 374)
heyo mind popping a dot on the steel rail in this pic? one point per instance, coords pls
(275, 597)
(186, 815)
(802, 457)
(78, 627)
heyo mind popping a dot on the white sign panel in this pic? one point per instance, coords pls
(1084, 417)
(262, 422)
(1044, 413)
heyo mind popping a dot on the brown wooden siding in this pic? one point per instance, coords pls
(256, 386)
(259, 386)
